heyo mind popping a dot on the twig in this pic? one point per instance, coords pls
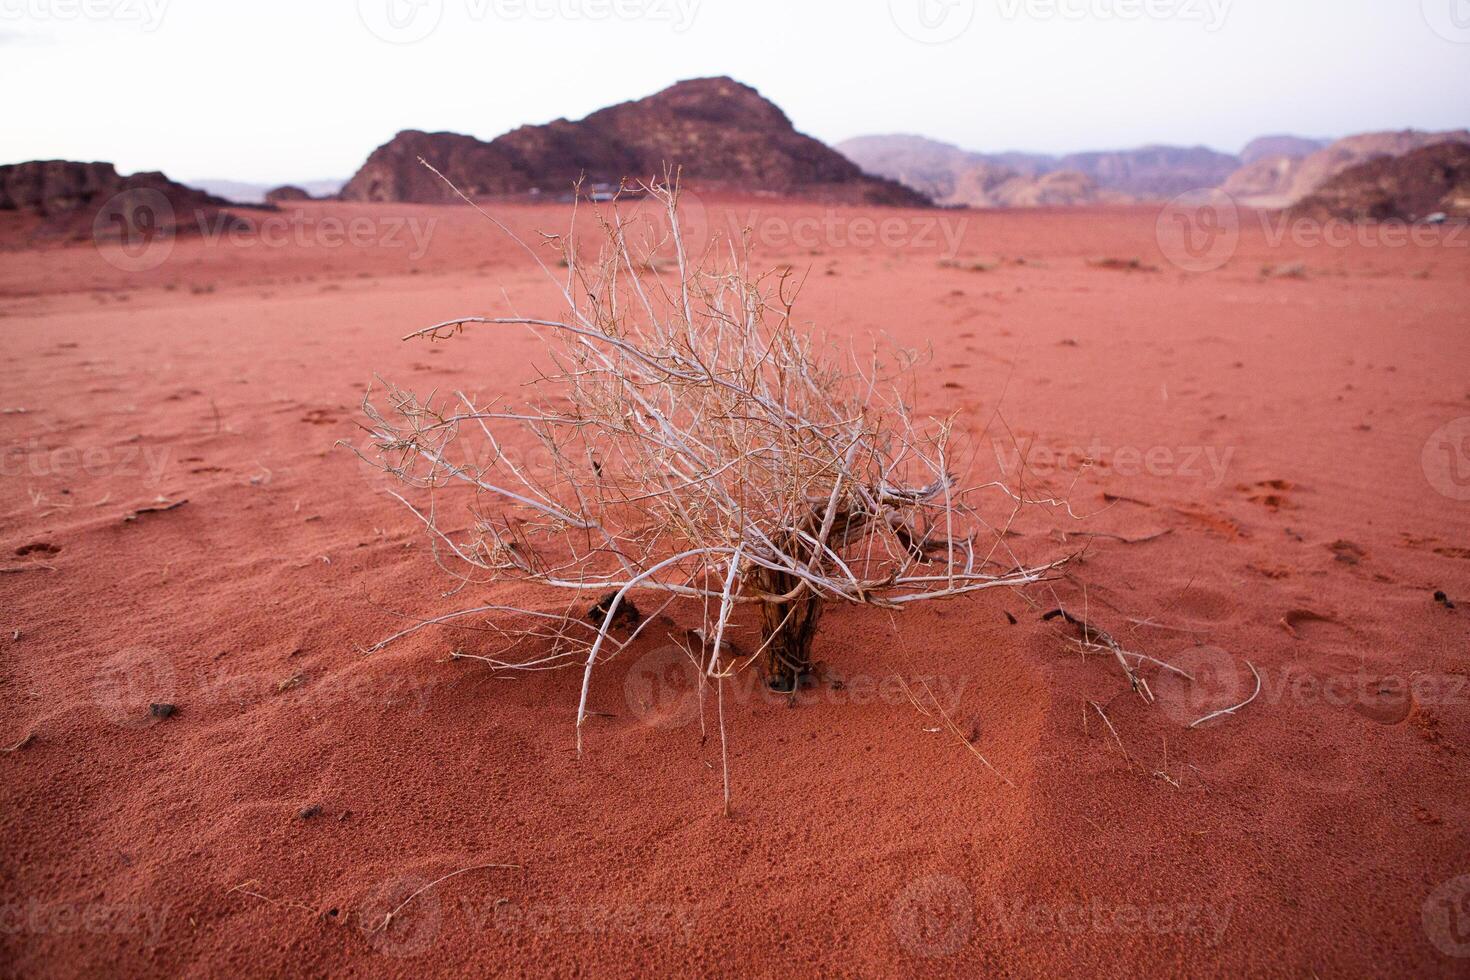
(953, 728)
(162, 506)
(283, 903)
(1235, 708)
(1103, 715)
(479, 867)
(30, 737)
(1118, 537)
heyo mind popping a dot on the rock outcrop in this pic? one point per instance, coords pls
(1278, 182)
(724, 135)
(286, 194)
(1433, 179)
(70, 199)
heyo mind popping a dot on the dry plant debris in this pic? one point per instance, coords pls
(692, 443)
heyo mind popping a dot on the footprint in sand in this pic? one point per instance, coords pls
(1307, 624)
(1386, 700)
(1214, 522)
(1200, 604)
(1270, 494)
(1341, 678)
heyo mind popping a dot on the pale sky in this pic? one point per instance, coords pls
(277, 90)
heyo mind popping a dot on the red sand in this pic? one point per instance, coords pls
(1313, 833)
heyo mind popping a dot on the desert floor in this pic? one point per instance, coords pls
(1271, 493)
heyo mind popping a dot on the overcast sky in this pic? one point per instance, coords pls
(277, 90)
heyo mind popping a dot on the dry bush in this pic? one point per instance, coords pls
(693, 445)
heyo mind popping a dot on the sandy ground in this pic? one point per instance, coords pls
(1273, 491)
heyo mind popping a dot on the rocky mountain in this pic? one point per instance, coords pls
(286, 194)
(959, 178)
(1266, 183)
(930, 167)
(1278, 182)
(78, 200)
(1268, 147)
(1154, 171)
(955, 176)
(1434, 178)
(1059, 188)
(981, 185)
(723, 134)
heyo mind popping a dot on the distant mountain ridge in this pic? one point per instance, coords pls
(245, 192)
(721, 133)
(1271, 172)
(955, 176)
(1264, 147)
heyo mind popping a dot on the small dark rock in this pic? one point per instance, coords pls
(627, 615)
(307, 812)
(162, 709)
